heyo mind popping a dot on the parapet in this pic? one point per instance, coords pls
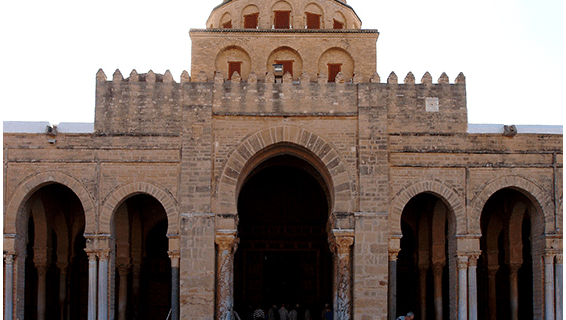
(152, 103)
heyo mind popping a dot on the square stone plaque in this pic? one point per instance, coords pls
(431, 104)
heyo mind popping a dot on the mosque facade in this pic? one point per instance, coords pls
(282, 170)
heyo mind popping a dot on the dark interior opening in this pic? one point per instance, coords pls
(283, 255)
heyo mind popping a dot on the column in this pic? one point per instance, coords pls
(558, 283)
(462, 287)
(92, 284)
(549, 285)
(423, 269)
(175, 261)
(136, 270)
(492, 291)
(62, 266)
(472, 287)
(392, 285)
(343, 247)
(437, 270)
(41, 282)
(103, 285)
(514, 290)
(123, 271)
(9, 286)
(227, 244)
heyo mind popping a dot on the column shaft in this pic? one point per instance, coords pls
(175, 257)
(549, 286)
(41, 282)
(558, 269)
(92, 284)
(9, 286)
(103, 286)
(472, 288)
(514, 291)
(344, 241)
(462, 287)
(392, 286)
(225, 279)
(492, 292)
(437, 270)
(62, 289)
(123, 271)
(423, 269)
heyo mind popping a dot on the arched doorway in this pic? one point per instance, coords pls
(143, 267)
(426, 259)
(505, 267)
(56, 265)
(283, 256)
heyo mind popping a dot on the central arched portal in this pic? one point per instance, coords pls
(283, 256)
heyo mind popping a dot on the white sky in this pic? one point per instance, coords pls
(511, 51)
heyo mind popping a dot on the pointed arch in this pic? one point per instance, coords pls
(119, 194)
(225, 195)
(452, 200)
(536, 193)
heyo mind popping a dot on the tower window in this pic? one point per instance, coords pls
(251, 21)
(282, 19)
(287, 65)
(227, 24)
(338, 24)
(234, 66)
(333, 69)
(313, 21)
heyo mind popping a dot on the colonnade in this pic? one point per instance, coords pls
(467, 287)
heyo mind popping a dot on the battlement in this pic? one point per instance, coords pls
(153, 103)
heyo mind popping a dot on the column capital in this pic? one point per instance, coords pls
(9, 257)
(473, 259)
(103, 255)
(393, 255)
(62, 266)
(492, 270)
(227, 240)
(437, 268)
(462, 261)
(558, 258)
(41, 255)
(514, 267)
(41, 269)
(123, 268)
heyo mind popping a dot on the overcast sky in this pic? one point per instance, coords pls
(511, 51)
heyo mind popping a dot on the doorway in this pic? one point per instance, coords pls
(283, 256)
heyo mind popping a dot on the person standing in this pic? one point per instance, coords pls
(272, 314)
(283, 313)
(409, 316)
(328, 314)
(259, 314)
(293, 314)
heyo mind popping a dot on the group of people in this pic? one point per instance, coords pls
(282, 312)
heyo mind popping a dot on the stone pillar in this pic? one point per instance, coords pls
(344, 242)
(103, 258)
(392, 285)
(558, 283)
(423, 269)
(549, 285)
(92, 284)
(9, 285)
(472, 287)
(492, 291)
(123, 271)
(175, 261)
(462, 287)
(62, 266)
(136, 269)
(41, 282)
(227, 244)
(514, 290)
(437, 270)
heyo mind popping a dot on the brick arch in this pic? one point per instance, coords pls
(227, 191)
(13, 218)
(121, 193)
(540, 198)
(448, 195)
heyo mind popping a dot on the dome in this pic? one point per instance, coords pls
(283, 14)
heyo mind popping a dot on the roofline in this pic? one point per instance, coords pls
(340, 2)
(220, 30)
